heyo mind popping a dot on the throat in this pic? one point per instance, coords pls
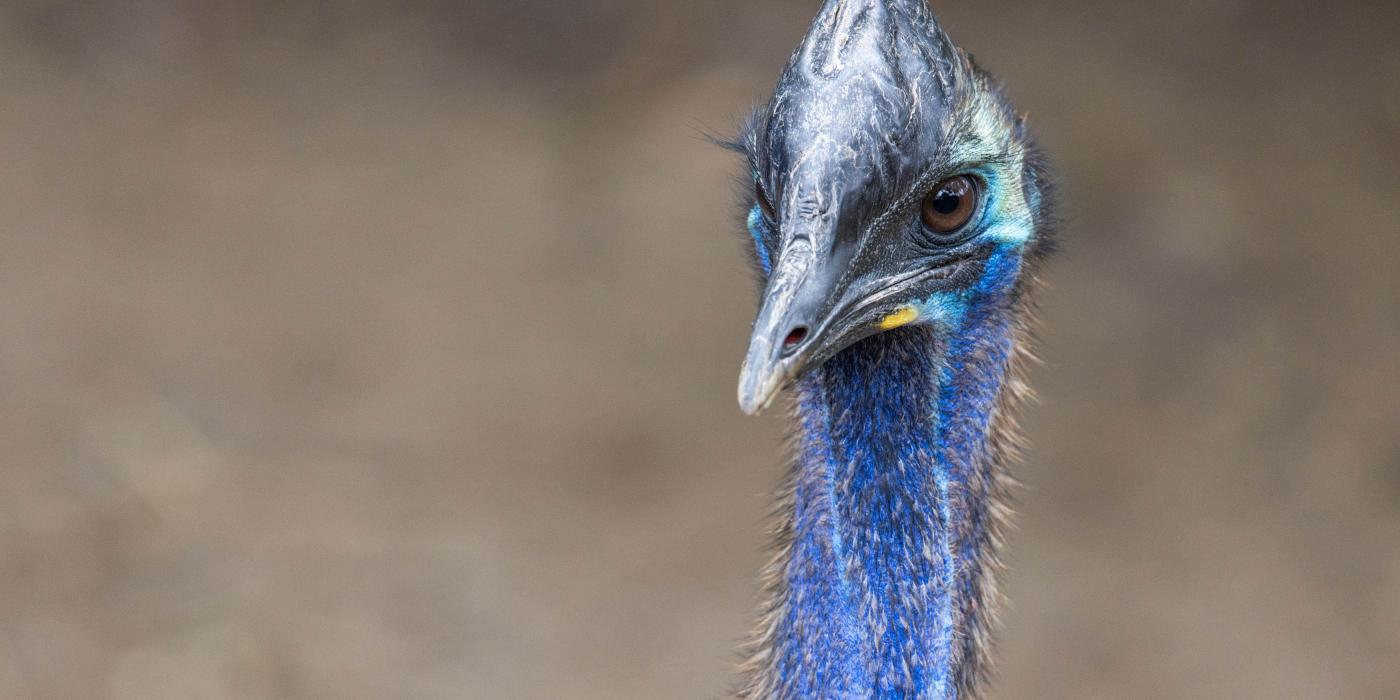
(884, 588)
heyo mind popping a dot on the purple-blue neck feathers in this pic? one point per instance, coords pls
(882, 587)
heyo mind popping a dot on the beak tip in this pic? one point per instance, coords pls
(748, 400)
(754, 405)
(756, 392)
(751, 405)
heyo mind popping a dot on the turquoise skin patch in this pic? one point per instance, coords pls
(758, 229)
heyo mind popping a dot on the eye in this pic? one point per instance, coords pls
(950, 205)
(763, 202)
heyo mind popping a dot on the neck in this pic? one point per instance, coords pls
(882, 586)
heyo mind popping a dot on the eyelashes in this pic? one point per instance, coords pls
(763, 202)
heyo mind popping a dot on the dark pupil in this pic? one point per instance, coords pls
(946, 202)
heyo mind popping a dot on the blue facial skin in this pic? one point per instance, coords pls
(761, 234)
(890, 506)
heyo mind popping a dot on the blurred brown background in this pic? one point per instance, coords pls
(385, 350)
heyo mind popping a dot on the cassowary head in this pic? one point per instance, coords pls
(892, 185)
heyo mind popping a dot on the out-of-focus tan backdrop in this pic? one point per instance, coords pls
(388, 350)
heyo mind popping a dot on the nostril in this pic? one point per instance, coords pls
(795, 337)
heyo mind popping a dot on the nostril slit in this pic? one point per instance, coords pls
(795, 337)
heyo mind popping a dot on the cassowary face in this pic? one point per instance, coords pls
(892, 186)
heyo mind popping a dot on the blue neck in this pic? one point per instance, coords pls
(882, 593)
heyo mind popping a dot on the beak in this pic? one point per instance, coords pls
(787, 331)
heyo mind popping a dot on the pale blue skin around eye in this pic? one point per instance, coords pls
(758, 229)
(1003, 221)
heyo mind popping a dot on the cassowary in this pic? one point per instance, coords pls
(899, 213)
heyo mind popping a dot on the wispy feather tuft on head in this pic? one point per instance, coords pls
(899, 215)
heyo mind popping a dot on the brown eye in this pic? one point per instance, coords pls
(763, 202)
(950, 205)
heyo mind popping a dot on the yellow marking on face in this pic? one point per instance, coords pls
(902, 317)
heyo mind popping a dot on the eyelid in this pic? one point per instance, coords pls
(981, 182)
(912, 197)
(937, 243)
